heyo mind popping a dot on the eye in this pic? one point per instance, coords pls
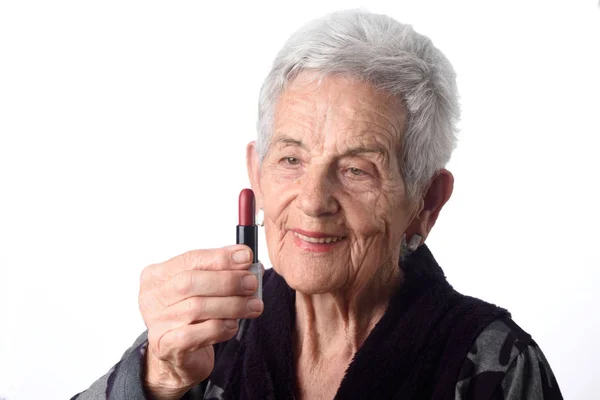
(290, 160)
(357, 172)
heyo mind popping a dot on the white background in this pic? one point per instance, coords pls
(122, 140)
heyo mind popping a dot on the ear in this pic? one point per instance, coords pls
(437, 194)
(253, 166)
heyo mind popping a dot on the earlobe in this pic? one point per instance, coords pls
(437, 194)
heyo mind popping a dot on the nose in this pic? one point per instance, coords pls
(316, 193)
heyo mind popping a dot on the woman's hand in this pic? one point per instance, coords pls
(189, 303)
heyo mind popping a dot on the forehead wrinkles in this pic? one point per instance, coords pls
(296, 110)
(340, 113)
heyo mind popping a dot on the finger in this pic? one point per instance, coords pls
(237, 257)
(189, 338)
(196, 309)
(187, 284)
(208, 283)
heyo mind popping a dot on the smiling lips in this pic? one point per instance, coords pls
(315, 241)
(328, 239)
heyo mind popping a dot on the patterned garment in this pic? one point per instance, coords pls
(498, 366)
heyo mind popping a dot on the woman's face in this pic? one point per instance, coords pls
(334, 199)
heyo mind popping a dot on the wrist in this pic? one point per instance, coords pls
(161, 382)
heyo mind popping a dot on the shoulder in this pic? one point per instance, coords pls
(505, 363)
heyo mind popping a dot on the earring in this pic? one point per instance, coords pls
(260, 217)
(414, 242)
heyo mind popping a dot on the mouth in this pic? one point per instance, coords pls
(318, 242)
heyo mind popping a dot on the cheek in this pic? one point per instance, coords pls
(378, 217)
(276, 220)
(273, 181)
(278, 194)
(366, 216)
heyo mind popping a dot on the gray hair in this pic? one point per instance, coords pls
(392, 57)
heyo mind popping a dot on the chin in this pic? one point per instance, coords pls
(306, 281)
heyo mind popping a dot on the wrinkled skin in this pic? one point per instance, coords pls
(333, 167)
(316, 177)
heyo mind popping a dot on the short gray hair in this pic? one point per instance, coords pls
(395, 59)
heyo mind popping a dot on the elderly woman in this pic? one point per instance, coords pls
(356, 124)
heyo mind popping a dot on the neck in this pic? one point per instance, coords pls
(332, 326)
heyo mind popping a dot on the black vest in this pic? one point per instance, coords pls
(415, 351)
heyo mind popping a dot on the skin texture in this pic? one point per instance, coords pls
(333, 167)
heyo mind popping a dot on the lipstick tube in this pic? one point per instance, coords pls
(247, 233)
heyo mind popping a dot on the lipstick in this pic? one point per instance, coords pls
(247, 233)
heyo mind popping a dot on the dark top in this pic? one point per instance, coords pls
(432, 342)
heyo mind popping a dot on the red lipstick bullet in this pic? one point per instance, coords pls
(247, 207)
(247, 231)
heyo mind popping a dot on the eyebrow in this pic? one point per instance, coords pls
(377, 149)
(287, 140)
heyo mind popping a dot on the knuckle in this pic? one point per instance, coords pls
(196, 307)
(191, 305)
(228, 283)
(222, 333)
(147, 273)
(161, 298)
(228, 334)
(215, 327)
(201, 259)
(183, 283)
(189, 259)
(181, 336)
(236, 308)
(221, 259)
(190, 310)
(224, 258)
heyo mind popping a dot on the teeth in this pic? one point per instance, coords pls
(319, 240)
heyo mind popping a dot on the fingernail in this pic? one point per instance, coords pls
(255, 305)
(249, 282)
(231, 323)
(241, 256)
